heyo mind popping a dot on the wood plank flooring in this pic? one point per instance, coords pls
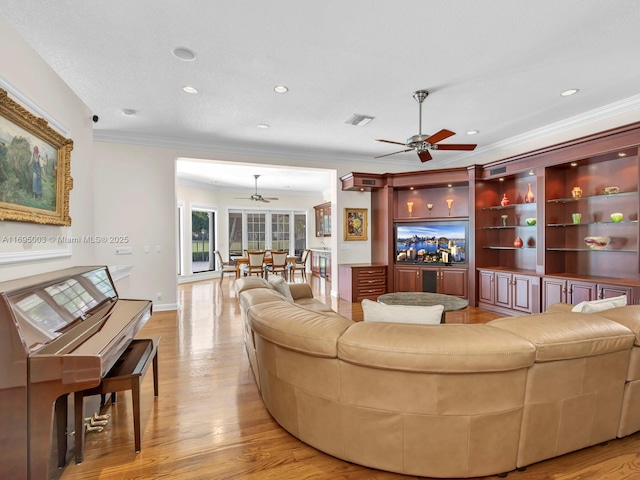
(209, 421)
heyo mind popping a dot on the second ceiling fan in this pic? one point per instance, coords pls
(256, 197)
(423, 143)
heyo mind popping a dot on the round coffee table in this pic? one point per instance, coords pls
(424, 299)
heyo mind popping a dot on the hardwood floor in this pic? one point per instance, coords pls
(209, 421)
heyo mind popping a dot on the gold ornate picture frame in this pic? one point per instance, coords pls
(355, 224)
(35, 167)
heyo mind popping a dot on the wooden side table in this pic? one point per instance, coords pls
(126, 374)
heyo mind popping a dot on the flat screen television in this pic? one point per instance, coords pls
(443, 243)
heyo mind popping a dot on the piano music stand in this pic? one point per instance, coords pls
(126, 374)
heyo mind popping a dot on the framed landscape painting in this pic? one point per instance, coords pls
(35, 177)
(355, 223)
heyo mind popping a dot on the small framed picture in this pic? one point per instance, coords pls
(355, 224)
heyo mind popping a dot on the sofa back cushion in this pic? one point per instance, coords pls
(560, 336)
(454, 348)
(595, 306)
(298, 328)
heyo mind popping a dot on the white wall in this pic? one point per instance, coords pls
(27, 73)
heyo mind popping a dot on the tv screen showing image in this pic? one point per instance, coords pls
(431, 243)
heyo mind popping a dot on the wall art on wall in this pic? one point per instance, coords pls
(355, 223)
(35, 167)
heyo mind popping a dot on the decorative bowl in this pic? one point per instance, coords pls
(616, 217)
(597, 243)
(531, 221)
(610, 190)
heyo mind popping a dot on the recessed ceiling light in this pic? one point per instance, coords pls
(184, 53)
(128, 112)
(574, 164)
(189, 90)
(622, 154)
(501, 179)
(473, 132)
(262, 125)
(280, 89)
(449, 185)
(571, 91)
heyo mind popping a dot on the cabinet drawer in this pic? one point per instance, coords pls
(371, 293)
(371, 281)
(371, 272)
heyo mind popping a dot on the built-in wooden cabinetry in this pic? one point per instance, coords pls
(323, 219)
(447, 280)
(360, 281)
(528, 253)
(508, 292)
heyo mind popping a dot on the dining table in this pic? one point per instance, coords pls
(291, 260)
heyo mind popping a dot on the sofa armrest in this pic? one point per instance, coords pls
(300, 290)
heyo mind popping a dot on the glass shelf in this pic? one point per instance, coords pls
(571, 224)
(506, 207)
(502, 227)
(602, 195)
(489, 247)
(589, 250)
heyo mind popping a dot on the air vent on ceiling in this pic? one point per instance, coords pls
(359, 120)
(498, 171)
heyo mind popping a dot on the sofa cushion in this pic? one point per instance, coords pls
(454, 348)
(249, 283)
(595, 306)
(560, 336)
(378, 312)
(282, 287)
(629, 316)
(298, 328)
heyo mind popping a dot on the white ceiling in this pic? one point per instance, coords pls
(497, 66)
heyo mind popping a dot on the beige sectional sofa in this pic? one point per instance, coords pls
(452, 401)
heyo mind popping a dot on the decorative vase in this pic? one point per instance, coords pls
(504, 220)
(576, 192)
(505, 200)
(529, 198)
(518, 243)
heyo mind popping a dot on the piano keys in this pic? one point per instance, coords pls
(60, 332)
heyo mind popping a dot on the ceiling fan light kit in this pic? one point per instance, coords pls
(423, 143)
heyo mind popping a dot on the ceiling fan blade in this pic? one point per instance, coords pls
(457, 146)
(424, 156)
(242, 198)
(439, 136)
(271, 198)
(388, 154)
(389, 141)
(264, 200)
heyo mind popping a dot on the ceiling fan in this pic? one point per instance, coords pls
(256, 197)
(423, 143)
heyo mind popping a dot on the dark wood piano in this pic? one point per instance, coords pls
(60, 332)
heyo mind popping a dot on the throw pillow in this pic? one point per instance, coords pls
(595, 306)
(379, 312)
(282, 287)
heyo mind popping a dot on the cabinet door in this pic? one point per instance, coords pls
(485, 287)
(580, 291)
(407, 279)
(503, 289)
(553, 291)
(453, 282)
(522, 293)
(608, 291)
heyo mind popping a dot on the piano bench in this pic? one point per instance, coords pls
(126, 374)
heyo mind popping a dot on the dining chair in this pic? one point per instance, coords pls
(224, 267)
(302, 264)
(255, 265)
(278, 263)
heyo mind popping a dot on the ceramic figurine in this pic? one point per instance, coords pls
(505, 200)
(518, 243)
(529, 198)
(576, 192)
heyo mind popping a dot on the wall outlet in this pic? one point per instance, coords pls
(158, 295)
(124, 251)
(158, 249)
(145, 249)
